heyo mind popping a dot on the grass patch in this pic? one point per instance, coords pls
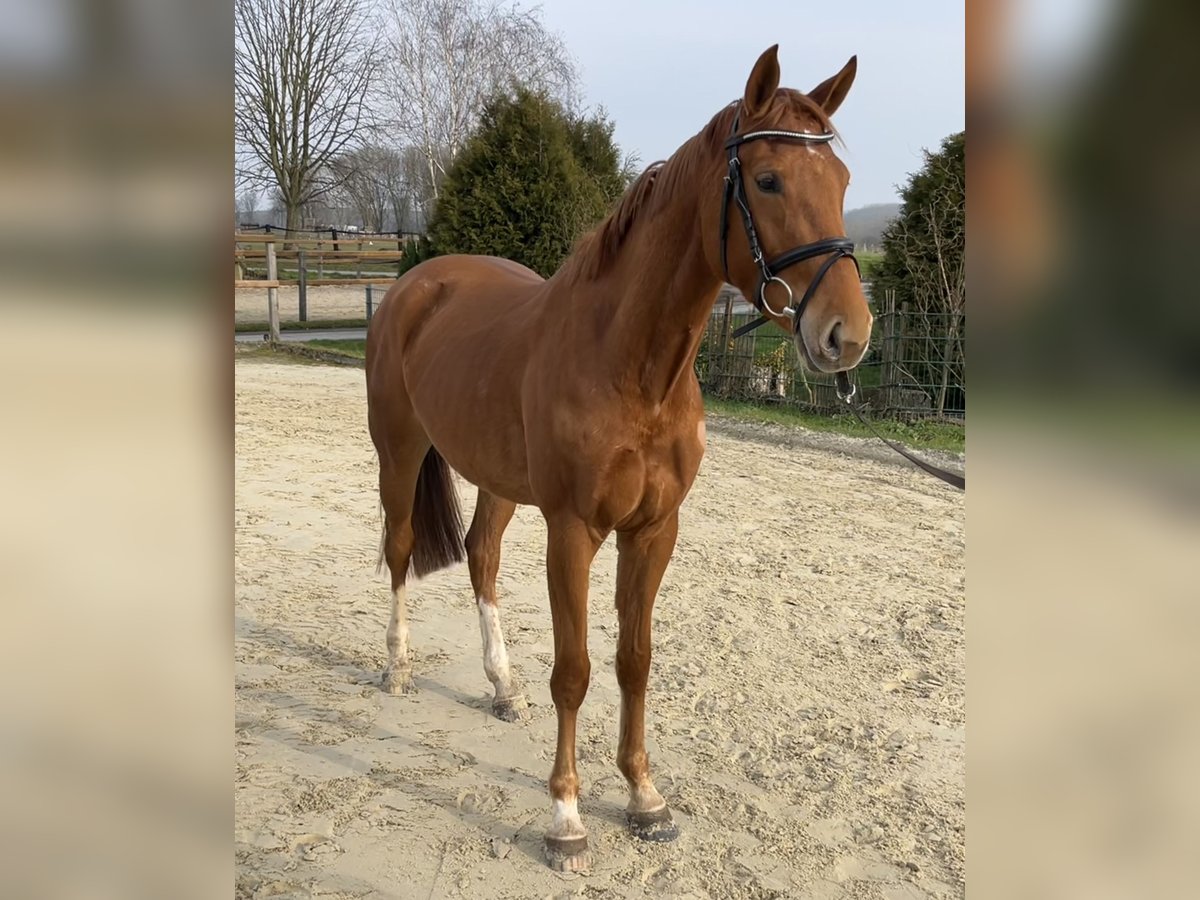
(267, 353)
(357, 349)
(319, 325)
(925, 435)
(868, 261)
(315, 353)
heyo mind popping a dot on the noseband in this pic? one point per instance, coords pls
(735, 188)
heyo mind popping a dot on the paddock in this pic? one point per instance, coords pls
(806, 715)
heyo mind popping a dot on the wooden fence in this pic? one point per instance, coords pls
(345, 260)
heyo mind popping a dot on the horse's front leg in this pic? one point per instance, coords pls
(571, 547)
(643, 557)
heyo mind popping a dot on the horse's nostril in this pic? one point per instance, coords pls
(833, 342)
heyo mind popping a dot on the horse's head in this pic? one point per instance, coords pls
(784, 191)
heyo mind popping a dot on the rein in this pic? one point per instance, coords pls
(846, 391)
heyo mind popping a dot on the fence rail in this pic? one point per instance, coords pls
(273, 260)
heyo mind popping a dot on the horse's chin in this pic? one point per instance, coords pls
(811, 366)
(805, 357)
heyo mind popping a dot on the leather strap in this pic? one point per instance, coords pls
(846, 391)
(746, 329)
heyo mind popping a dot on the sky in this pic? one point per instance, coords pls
(662, 68)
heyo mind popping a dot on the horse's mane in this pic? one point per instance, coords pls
(657, 186)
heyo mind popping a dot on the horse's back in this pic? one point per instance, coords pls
(441, 284)
(449, 292)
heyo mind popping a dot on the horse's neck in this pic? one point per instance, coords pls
(659, 318)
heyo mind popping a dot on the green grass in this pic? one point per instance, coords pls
(921, 435)
(267, 353)
(867, 262)
(328, 353)
(357, 349)
(320, 325)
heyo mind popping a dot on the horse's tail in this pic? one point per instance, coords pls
(436, 518)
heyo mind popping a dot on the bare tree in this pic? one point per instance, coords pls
(246, 205)
(446, 57)
(419, 189)
(931, 243)
(381, 185)
(302, 73)
(361, 189)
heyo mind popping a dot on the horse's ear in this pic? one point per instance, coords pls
(764, 80)
(830, 93)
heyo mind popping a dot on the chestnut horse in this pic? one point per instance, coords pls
(578, 394)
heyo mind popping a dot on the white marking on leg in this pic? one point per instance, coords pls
(397, 677)
(495, 654)
(566, 822)
(645, 798)
(397, 633)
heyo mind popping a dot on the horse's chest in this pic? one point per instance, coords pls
(644, 484)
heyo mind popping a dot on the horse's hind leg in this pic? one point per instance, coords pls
(492, 515)
(397, 486)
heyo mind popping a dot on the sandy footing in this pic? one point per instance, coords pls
(806, 710)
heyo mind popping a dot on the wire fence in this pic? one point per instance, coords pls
(913, 371)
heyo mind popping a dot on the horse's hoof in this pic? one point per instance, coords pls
(568, 854)
(397, 682)
(657, 826)
(511, 709)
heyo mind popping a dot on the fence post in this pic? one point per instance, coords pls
(370, 303)
(272, 294)
(726, 328)
(303, 287)
(887, 329)
(901, 357)
(333, 234)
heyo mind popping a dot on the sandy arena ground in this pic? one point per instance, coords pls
(806, 711)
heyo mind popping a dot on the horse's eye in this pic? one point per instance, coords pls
(768, 184)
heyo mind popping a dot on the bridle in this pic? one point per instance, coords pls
(834, 248)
